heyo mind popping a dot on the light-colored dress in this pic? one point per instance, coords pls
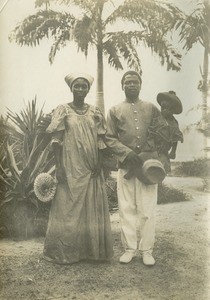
(79, 223)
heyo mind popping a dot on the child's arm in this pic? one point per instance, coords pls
(172, 153)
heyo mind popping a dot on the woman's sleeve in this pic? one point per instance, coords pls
(57, 122)
(57, 126)
(101, 127)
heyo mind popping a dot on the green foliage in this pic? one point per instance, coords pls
(168, 194)
(206, 185)
(148, 14)
(196, 27)
(24, 155)
(203, 125)
(123, 44)
(44, 24)
(39, 3)
(199, 168)
(111, 190)
(155, 20)
(85, 33)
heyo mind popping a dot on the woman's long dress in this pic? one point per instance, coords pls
(79, 223)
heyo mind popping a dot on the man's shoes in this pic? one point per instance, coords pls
(148, 259)
(127, 257)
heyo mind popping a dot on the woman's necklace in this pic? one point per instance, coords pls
(79, 110)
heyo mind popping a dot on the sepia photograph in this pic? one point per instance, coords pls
(105, 149)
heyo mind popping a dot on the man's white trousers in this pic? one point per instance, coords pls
(137, 205)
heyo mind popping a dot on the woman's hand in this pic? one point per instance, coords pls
(60, 174)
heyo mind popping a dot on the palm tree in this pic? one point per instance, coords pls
(154, 18)
(193, 30)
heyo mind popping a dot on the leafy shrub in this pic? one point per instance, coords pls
(169, 195)
(111, 190)
(24, 154)
(198, 167)
(206, 185)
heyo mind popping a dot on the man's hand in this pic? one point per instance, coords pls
(172, 155)
(133, 159)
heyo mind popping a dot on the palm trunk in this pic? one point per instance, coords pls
(205, 88)
(205, 85)
(99, 83)
(100, 67)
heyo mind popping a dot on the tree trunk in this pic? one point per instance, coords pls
(99, 83)
(205, 88)
(100, 67)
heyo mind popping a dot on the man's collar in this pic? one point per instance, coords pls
(132, 100)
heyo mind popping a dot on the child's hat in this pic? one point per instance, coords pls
(171, 97)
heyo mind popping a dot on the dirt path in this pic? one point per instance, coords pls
(181, 270)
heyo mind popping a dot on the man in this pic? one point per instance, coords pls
(127, 125)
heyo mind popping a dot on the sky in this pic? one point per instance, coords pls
(26, 72)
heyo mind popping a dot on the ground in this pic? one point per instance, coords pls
(181, 252)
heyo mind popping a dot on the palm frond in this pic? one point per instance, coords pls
(149, 14)
(85, 33)
(43, 24)
(59, 42)
(112, 53)
(5, 200)
(121, 44)
(167, 54)
(39, 166)
(11, 162)
(8, 130)
(31, 157)
(28, 118)
(195, 28)
(15, 118)
(39, 3)
(87, 6)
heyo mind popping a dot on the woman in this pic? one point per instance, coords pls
(79, 224)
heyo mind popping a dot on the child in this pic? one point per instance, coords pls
(163, 135)
(165, 131)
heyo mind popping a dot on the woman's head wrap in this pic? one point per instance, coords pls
(70, 78)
